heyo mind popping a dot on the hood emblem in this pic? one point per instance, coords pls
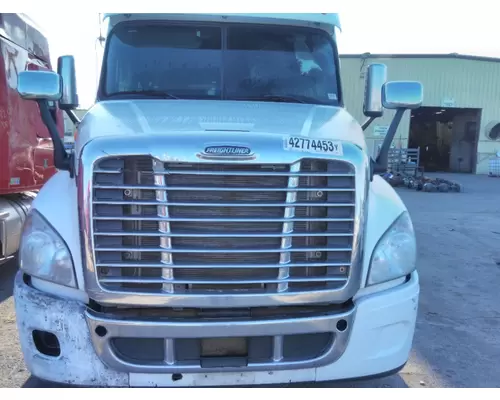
(227, 151)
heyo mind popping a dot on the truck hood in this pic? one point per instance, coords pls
(183, 117)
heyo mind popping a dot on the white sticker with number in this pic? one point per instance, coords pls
(324, 146)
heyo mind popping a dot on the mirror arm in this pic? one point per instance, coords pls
(73, 117)
(381, 163)
(62, 160)
(367, 122)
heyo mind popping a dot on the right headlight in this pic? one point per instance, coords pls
(395, 255)
(43, 253)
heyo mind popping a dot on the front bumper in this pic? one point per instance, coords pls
(379, 340)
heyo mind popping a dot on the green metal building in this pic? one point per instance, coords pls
(458, 127)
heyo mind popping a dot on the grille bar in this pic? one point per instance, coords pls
(224, 189)
(180, 219)
(232, 173)
(282, 250)
(236, 204)
(211, 266)
(221, 235)
(221, 282)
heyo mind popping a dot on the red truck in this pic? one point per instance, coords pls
(26, 149)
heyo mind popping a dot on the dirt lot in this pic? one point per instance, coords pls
(457, 342)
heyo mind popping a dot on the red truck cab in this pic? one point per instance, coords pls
(26, 150)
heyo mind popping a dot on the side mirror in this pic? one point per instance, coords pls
(66, 69)
(45, 87)
(39, 85)
(406, 95)
(375, 80)
(399, 96)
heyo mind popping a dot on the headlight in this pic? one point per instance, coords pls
(43, 253)
(395, 255)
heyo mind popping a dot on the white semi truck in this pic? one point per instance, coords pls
(220, 221)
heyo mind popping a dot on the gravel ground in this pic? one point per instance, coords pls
(456, 343)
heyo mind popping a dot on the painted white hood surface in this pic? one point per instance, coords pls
(184, 117)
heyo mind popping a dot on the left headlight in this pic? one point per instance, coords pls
(43, 253)
(395, 255)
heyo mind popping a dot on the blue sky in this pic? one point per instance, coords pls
(410, 27)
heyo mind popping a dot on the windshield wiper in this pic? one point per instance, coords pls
(145, 93)
(272, 97)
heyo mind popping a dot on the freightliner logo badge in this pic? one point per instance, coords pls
(228, 151)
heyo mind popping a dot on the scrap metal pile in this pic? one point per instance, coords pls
(422, 183)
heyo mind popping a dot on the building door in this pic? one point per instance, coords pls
(447, 138)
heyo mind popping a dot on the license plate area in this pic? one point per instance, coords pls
(224, 352)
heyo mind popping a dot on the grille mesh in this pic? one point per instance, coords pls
(222, 228)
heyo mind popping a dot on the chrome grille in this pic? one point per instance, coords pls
(203, 228)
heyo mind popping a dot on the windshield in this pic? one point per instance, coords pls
(242, 62)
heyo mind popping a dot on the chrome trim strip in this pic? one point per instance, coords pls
(218, 158)
(172, 330)
(286, 241)
(278, 348)
(163, 227)
(169, 351)
(211, 300)
(268, 149)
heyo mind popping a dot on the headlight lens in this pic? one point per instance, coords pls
(43, 253)
(395, 255)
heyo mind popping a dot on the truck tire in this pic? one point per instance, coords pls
(443, 187)
(429, 187)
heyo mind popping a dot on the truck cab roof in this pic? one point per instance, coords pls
(23, 31)
(326, 21)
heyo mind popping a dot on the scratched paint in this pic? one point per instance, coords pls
(78, 363)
